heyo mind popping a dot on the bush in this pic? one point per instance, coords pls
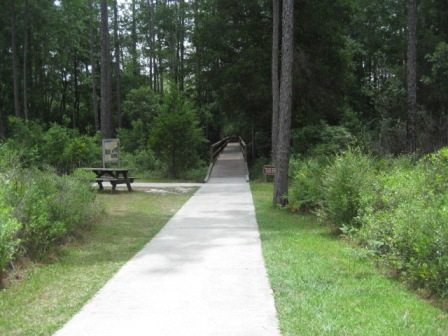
(50, 207)
(9, 230)
(176, 137)
(60, 147)
(256, 168)
(143, 160)
(397, 207)
(322, 139)
(39, 208)
(343, 182)
(405, 219)
(306, 192)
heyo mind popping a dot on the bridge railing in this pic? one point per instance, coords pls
(219, 146)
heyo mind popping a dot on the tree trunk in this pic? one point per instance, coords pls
(93, 65)
(117, 66)
(283, 147)
(182, 44)
(75, 91)
(135, 65)
(150, 45)
(197, 54)
(275, 77)
(15, 68)
(412, 77)
(25, 63)
(106, 85)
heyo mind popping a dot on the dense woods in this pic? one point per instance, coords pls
(306, 78)
(66, 60)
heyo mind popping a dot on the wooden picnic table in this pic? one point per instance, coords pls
(114, 176)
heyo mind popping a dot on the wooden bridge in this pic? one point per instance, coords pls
(228, 160)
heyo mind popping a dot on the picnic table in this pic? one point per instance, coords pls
(114, 176)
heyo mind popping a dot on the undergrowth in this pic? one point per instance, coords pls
(395, 207)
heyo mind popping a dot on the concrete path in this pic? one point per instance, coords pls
(202, 275)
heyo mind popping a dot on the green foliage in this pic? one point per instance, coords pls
(134, 138)
(9, 229)
(343, 182)
(65, 149)
(60, 147)
(142, 160)
(406, 221)
(141, 107)
(306, 192)
(50, 207)
(176, 137)
(256, 168)
(333, 284)
(396, 207)
(39, 208)
(322, 139)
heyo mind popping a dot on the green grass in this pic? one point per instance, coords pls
(324, 286)
(50, 294)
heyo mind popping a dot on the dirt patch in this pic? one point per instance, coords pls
(164, 191)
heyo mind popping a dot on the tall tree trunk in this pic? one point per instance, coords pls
(15, 67)
(182, 44)
(153, 48)
(117, 66)
(75, 91)
(25, 63)
(135, 65)
(283, 147)
(412, 77)
(2, 130)
(198, 78)
(275, 76)
(149, 6)
(93, 65)
(106, 85)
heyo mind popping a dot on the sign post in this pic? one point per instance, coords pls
(111, 151)
(269, 170)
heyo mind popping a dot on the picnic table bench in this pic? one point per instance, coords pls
(114, 176)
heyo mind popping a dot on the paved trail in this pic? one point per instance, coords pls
(202, 275)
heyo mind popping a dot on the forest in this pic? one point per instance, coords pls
(349, 73)
(369, 109)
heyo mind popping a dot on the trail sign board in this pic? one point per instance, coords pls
(269, 170)
(111, 151)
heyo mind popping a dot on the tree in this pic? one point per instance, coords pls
(176, 137)
(15, 66)
(275, 76)
(117, 65)
(93, 65)
(106, 85)
(284, 132)
(411, 67)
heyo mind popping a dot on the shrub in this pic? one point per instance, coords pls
(176, 137)
(82, 150)
(306, 192)
(9, 229)
(59, 147)
(50, 207)
(397, 207)
(39, 208)
(343, 181)
(143, 160)
(256, 168)
(406, 220)
(322, 139)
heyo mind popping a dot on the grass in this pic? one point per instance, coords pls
(324, 286)
(50, 294)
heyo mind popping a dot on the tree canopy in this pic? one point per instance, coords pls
(349, 67)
